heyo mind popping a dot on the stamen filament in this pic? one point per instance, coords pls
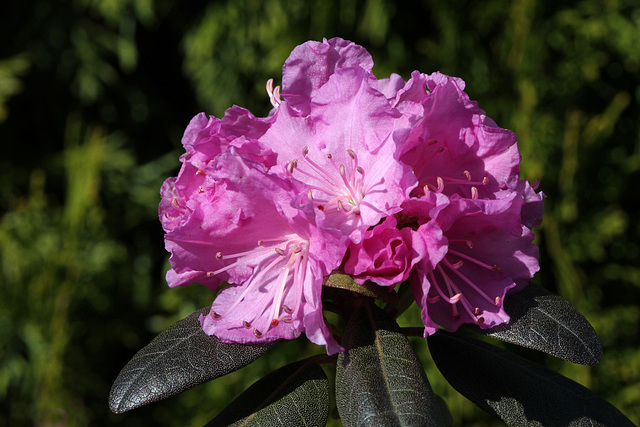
(451, 300)
(254, 279)
(475, 261)
(283, 282)
(257, 253)
(469, 282)
(471, 312)
(330, 179)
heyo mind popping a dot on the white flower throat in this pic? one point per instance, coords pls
(336, 188)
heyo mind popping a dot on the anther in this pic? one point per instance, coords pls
(287, 319)
(476, 311)
(286, 309)
(291, 166)
(259, 242)
(246, 324)
(329, 156)
(200, 172)
(440, 185)
(340, 207)
(457, 265)
(174, 203)
(496, 268)
(467, 175)
(279, 251)
(200, 190)
(305, 151)
(214, 315)
(351, 153)
(497, 301)
(210, 274)
(360, 170)
(342, 172)
(274, 94)
(309, 195)
(257, 333)
(275, 99)
(454, 299)
(535, 184)
(433, 299)
(219, 255)
(474, 193)
(485, 180)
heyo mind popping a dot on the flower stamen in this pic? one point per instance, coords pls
(274, 94)
(493, 267)
(440, 182)
(468, 282)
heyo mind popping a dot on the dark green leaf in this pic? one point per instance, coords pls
(516, 390)
(379, 380)
(178, 359)
(549, 323)
(295, 395)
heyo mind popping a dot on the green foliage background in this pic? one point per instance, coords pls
(94, 97)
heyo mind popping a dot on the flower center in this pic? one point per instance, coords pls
(334, 188)
(437, 182)
(444, 283)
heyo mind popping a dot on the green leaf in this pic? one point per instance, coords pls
(178, 359)
(379, 380)
(547, 322)
(516, 390)
(294, 395)
(344, 281)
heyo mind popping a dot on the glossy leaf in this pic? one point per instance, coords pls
(295, 395)
(516, 390)
(178, 359)
(547, 322)
(379, 380)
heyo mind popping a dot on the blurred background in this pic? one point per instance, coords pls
(95, 95)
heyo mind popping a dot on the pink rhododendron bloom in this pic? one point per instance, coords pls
(207, 137)
(343, 150)
(465, 163)
(455, 148)
(489, 253)
(243, 230)
(386, 254)
(390, 180)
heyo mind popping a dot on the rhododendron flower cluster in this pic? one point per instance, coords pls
(386, 180)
